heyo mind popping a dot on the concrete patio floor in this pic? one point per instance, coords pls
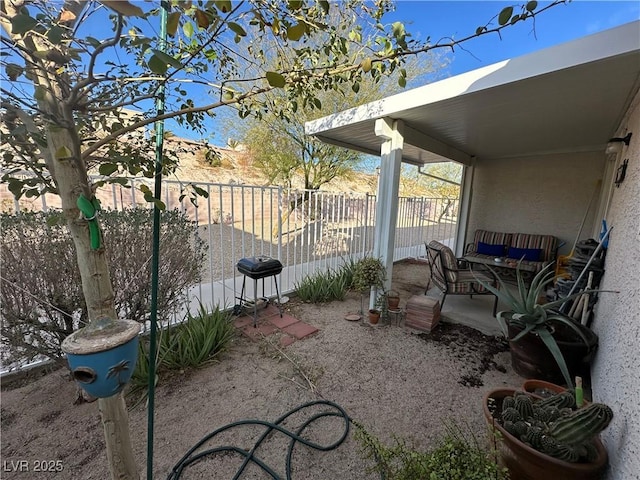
(473, 312)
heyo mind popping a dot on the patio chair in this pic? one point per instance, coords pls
(452, 277)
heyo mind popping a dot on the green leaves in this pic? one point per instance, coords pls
(505, 15)
(13, 71)
(21, 24)
(172, 23)
(107, 168)
(55, 35)
(148, 197)
(223, 5)
(295, 32)
(275, 79)
(159, 62)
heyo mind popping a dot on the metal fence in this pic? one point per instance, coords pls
(308, 231)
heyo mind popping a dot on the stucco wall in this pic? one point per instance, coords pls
(616, 370)
(545, 195)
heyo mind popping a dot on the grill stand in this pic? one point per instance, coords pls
(259, 268)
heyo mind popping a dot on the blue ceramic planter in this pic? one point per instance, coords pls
(102, 359)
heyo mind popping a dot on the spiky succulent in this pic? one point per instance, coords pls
(554, 426)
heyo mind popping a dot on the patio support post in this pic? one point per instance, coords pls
(388, 185)
(466, 194)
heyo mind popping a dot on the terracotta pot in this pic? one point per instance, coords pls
(531, 358)
(393, 302)
(374, 316)
(545, 389)
(541, 388)
(526, 463)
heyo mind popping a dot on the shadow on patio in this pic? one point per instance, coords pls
(410, 277)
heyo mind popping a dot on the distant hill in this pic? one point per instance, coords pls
(228, 165)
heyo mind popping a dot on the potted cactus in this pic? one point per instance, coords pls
(548, 438)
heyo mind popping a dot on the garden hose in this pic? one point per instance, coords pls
(335, 410)
(89, 209)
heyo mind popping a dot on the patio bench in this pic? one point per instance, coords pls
(532, 251)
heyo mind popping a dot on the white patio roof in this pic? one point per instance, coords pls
(567, 98)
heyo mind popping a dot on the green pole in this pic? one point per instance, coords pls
(156, 250)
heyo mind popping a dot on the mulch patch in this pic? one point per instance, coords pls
(474, 348)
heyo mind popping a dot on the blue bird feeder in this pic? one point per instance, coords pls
(102, 357)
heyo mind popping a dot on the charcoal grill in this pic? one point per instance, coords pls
(258, 268)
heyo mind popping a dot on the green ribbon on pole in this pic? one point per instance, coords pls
(89, 209)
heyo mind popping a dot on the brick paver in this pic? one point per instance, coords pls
(300, 330)
(270, 322)
(283, 322)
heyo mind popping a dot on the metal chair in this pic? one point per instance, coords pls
(447, 273)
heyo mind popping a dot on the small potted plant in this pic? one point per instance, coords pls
(550, 437)
(535, 329)
(368, 272)
(393, 299)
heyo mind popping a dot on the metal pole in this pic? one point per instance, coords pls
(156, 250)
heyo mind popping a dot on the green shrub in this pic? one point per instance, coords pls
(456, 456)
(368, 272)
(196, 342)
(324, 286)
(41, 292)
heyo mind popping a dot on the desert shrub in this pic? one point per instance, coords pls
(41, 291)
(368, 272)
(323, 286)
(195, 342)
(457, 455)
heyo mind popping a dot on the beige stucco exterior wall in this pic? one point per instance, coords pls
(545, 195)
(616, 370)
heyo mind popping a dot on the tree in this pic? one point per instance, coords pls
(441, 179)
(275, 135)
(64, 92)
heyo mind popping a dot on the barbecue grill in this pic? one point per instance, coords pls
(258, 268)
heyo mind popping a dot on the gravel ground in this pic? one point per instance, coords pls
(394, 381)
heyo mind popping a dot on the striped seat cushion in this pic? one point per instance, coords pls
(468, 282)
(492, 238)
(449, 261)
(546, 243)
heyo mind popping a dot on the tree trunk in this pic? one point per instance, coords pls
(64, 161)
(116, 434)
(72, 181)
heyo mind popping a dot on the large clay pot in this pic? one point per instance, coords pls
(531, 358)
(526, 463)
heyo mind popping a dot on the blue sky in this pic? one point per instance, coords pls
(559, 24)
(458, 19)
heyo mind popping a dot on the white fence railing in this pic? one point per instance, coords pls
(307, 231)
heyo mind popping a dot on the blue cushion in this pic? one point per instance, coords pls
(489, 249)
(531, 254)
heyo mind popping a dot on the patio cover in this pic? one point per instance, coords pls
(567, 98)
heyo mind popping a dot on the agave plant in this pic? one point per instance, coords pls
(532, 317)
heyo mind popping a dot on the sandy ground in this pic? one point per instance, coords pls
(394, 381)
